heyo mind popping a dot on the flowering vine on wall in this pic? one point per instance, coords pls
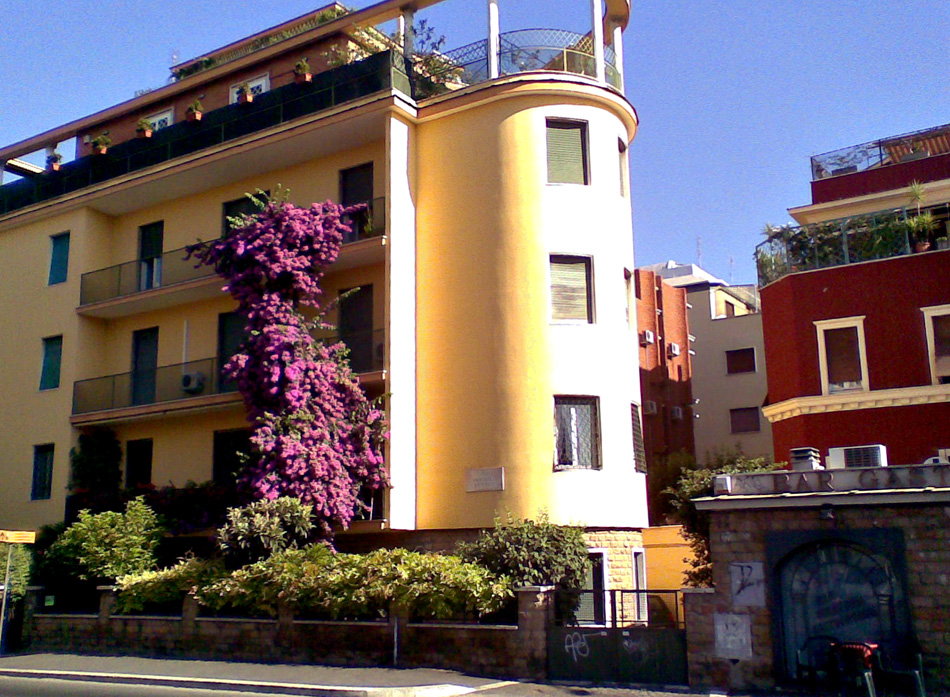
(315, 435)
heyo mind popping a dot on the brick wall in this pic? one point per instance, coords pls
(740, 536)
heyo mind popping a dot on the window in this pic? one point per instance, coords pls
(577, 433)
(744, 420)
(356, 186)
(841, 355)
(42, 472)
(730, 309)
(162, 119)
(151, 242)
(640, 581)
(138, 463)
(58, 258)
(258, 85)
(639, 455)
(52, 361)
(235, 209)
(740, 361)
(937, 321)
(227, 457)
(567, 152)
(570, 289)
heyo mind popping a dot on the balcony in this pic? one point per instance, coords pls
(150, 284)
(881, 165)
(197, 384)
(883, 235)
(380, 72)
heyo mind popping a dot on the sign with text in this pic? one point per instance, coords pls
(18, 537)
(830, 480)
(485, 479)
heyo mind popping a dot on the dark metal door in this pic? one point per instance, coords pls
(144, 365)
(356, 327)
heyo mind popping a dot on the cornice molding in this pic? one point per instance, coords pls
(854, 401)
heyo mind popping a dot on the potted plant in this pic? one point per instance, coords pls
(100, 144)
(302, 72)
(53, 161)
(245, 96)
(144, 128)
(922, 224)
(194, 111)
(943, 242)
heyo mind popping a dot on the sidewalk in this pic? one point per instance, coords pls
(309, 680)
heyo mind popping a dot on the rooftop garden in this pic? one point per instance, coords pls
(881, 153)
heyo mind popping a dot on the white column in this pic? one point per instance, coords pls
(597, 36)
(408, 33)
(493, 42)
(618, 52)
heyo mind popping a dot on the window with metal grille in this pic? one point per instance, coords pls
(162, 119)
(42, 472)
(570, 289)
(58, 258)
(52, 361)
(577, 433)
(744, 420)
(258, 85)
(567, 152)
(639, 454)
(740, 361)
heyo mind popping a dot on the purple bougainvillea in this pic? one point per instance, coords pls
(315, 434)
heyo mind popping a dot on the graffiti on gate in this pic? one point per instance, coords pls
(576, 646)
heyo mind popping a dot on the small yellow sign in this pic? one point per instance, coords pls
(20, 537)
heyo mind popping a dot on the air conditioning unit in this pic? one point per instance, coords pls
(647, 337)
(192, 383)
(944, 454)
(676, 413)
(857, 456)
(649, 407)
(673, 349)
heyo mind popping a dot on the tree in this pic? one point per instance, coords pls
(696, 483)
(96, 463)
(315, 435)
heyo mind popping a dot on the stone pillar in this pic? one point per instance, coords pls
(189, 613)
(597, 37)
(535, 615)
(31, 602)
(107, 598)
(493, 39)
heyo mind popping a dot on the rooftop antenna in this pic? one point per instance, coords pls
(699, 251)
(732, 266)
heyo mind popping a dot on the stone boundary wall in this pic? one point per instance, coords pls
(506, 651)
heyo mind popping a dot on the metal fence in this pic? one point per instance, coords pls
(620, 608)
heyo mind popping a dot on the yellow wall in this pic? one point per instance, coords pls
(666, 553)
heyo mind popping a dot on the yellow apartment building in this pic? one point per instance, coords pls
(493, 262)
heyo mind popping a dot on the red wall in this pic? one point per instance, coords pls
(889, 293)
(911, 434)
(881, 179)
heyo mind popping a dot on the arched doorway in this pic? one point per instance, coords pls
(841, 589)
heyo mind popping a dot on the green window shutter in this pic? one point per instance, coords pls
(52, 360)
(570, 288)
(567, 152)
(59, 258)
(42, 472)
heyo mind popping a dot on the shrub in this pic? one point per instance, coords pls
(260, 529)
(108, 545)
(96, 463)
(137, 591)
(531, 553)
(20, 562)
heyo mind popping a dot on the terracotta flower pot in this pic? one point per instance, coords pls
(245, 98)
(144, 133)
(99, 149)
(193, 116)
(301, 78)
(922, 247)
(53, 166)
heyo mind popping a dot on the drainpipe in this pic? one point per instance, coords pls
(493, 41)
(597, 36)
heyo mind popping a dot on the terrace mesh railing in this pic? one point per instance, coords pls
(523, 51)
(790, 248)
(880, 153)
(382, 71)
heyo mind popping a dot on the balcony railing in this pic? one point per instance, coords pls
(171, 268)
(140, 275)
(908, 147)
(880, 235)
(165, 384)
(520, 52)
(382, 71)
(367, 349)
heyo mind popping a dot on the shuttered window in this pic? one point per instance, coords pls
(570, 289)
(639, 455)
(567, 152)
(59, 258)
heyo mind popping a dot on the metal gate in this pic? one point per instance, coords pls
(618, 636)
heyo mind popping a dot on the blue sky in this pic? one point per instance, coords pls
(733, 97)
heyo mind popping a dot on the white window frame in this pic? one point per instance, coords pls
(821, 326)
(929, 314)
(596, 456)
(638, 574)
(262, 81)
(166, 114)
(584, 129)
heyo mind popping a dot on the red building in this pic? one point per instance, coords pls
(665, 376)
(856, 307)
